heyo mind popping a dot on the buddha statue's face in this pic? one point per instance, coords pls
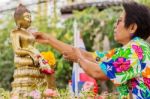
(25, 20)
(22, 17)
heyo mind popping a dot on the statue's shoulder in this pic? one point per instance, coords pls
(15, 31)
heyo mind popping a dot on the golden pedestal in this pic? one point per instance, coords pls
(27, 79)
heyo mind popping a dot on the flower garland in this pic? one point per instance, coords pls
(47, 62)
(49, 56)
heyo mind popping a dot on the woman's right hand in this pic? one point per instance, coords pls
(41, 37)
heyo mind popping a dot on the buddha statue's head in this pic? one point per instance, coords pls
(22, 17)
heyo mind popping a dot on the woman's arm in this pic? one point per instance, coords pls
(61, 46)
(88, 55)
(90, 68)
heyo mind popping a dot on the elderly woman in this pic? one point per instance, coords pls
(128, 67)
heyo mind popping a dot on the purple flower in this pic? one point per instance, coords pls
(121, 64)
(35, 94)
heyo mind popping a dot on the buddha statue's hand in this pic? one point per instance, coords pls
(36, 62)
(33, 52)
(34, 59)
(42, 63)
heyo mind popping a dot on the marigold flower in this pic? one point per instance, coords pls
(49, 56)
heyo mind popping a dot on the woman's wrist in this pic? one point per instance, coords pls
(80, 59)
(48, 40)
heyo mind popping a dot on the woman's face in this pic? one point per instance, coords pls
(121, 33)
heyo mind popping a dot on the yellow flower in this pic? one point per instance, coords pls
(49, 56)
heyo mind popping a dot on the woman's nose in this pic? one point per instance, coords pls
(115, 25)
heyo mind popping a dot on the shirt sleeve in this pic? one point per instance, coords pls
(98, 56)
(102, 56)
(122, 65)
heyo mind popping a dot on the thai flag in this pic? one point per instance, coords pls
(79, 77)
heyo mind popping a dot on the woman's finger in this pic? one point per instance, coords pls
(64, 53)
(64, 57)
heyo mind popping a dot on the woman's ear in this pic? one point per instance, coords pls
(132, 28)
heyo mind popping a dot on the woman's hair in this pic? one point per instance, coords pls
(20, 10)
(139, 14)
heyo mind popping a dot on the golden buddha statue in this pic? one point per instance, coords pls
(27, 75)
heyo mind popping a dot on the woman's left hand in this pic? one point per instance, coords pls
(73, 55)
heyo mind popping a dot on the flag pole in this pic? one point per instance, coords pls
(75, 66)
